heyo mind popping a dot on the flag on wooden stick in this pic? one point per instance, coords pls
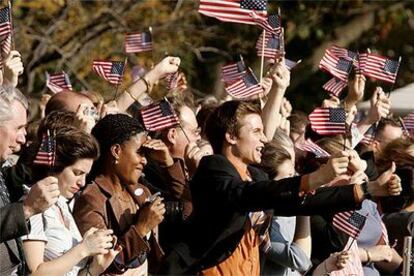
(46, 154)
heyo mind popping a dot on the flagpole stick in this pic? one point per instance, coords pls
(122, 76)
(152, 50)
(262, 59)
(11, 23)
(403, 125)
(352, 242)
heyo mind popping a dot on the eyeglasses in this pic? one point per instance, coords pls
(194, 131)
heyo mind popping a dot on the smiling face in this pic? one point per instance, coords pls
(72, 178)
(13, 131)
(249, 143)
(131, 160)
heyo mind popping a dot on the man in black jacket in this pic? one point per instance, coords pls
(14, 215)
(227, 192)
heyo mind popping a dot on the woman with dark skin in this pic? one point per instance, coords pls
(115, 199)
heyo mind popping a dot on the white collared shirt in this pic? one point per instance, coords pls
(48, 227)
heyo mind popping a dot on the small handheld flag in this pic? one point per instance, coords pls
(158, 116)
(328, 121)
(112, 71)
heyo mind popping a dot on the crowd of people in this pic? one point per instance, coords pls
(227, 191)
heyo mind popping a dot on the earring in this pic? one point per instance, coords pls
(116, 161)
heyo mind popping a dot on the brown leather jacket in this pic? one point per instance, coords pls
(97, 207)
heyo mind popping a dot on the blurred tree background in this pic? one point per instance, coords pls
(55, 35)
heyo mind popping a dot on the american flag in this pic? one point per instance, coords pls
(246, 87)
(290, 63)
(5, 23)
(5, 45)
(338, 67)
(384, 233)
(271, 24)
(409, 122)
(46, 154)
(378, 67)
(58, 82)
(351, 223)
(273, 45)
(334, 86)
(369, 136)
(172, 80)
(343, 53)
(328, 121)
(310, 146)
(138, 42)
(237, 11)
(233, 71)
(158, 116)
(112, 71)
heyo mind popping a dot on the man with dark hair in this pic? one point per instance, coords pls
(226, 226)
(387, 131)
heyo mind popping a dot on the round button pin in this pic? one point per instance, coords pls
(139, 191)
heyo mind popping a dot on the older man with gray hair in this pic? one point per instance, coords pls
(14, 215)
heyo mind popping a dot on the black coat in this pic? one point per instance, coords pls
(12, 226)
(222, 202)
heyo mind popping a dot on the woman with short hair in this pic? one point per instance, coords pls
(115, 199)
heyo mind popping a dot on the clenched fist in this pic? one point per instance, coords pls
(41, 196)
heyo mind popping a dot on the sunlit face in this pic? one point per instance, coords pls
(250, 141)
(190, 126)
(72, 178)
(131, 160)
(13, 131)
(286, 169)
(389, 134)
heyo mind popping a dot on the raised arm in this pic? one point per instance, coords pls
(271, 111)
(144, 85)
(380, 107)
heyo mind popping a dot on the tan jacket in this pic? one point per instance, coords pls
(97, 207)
